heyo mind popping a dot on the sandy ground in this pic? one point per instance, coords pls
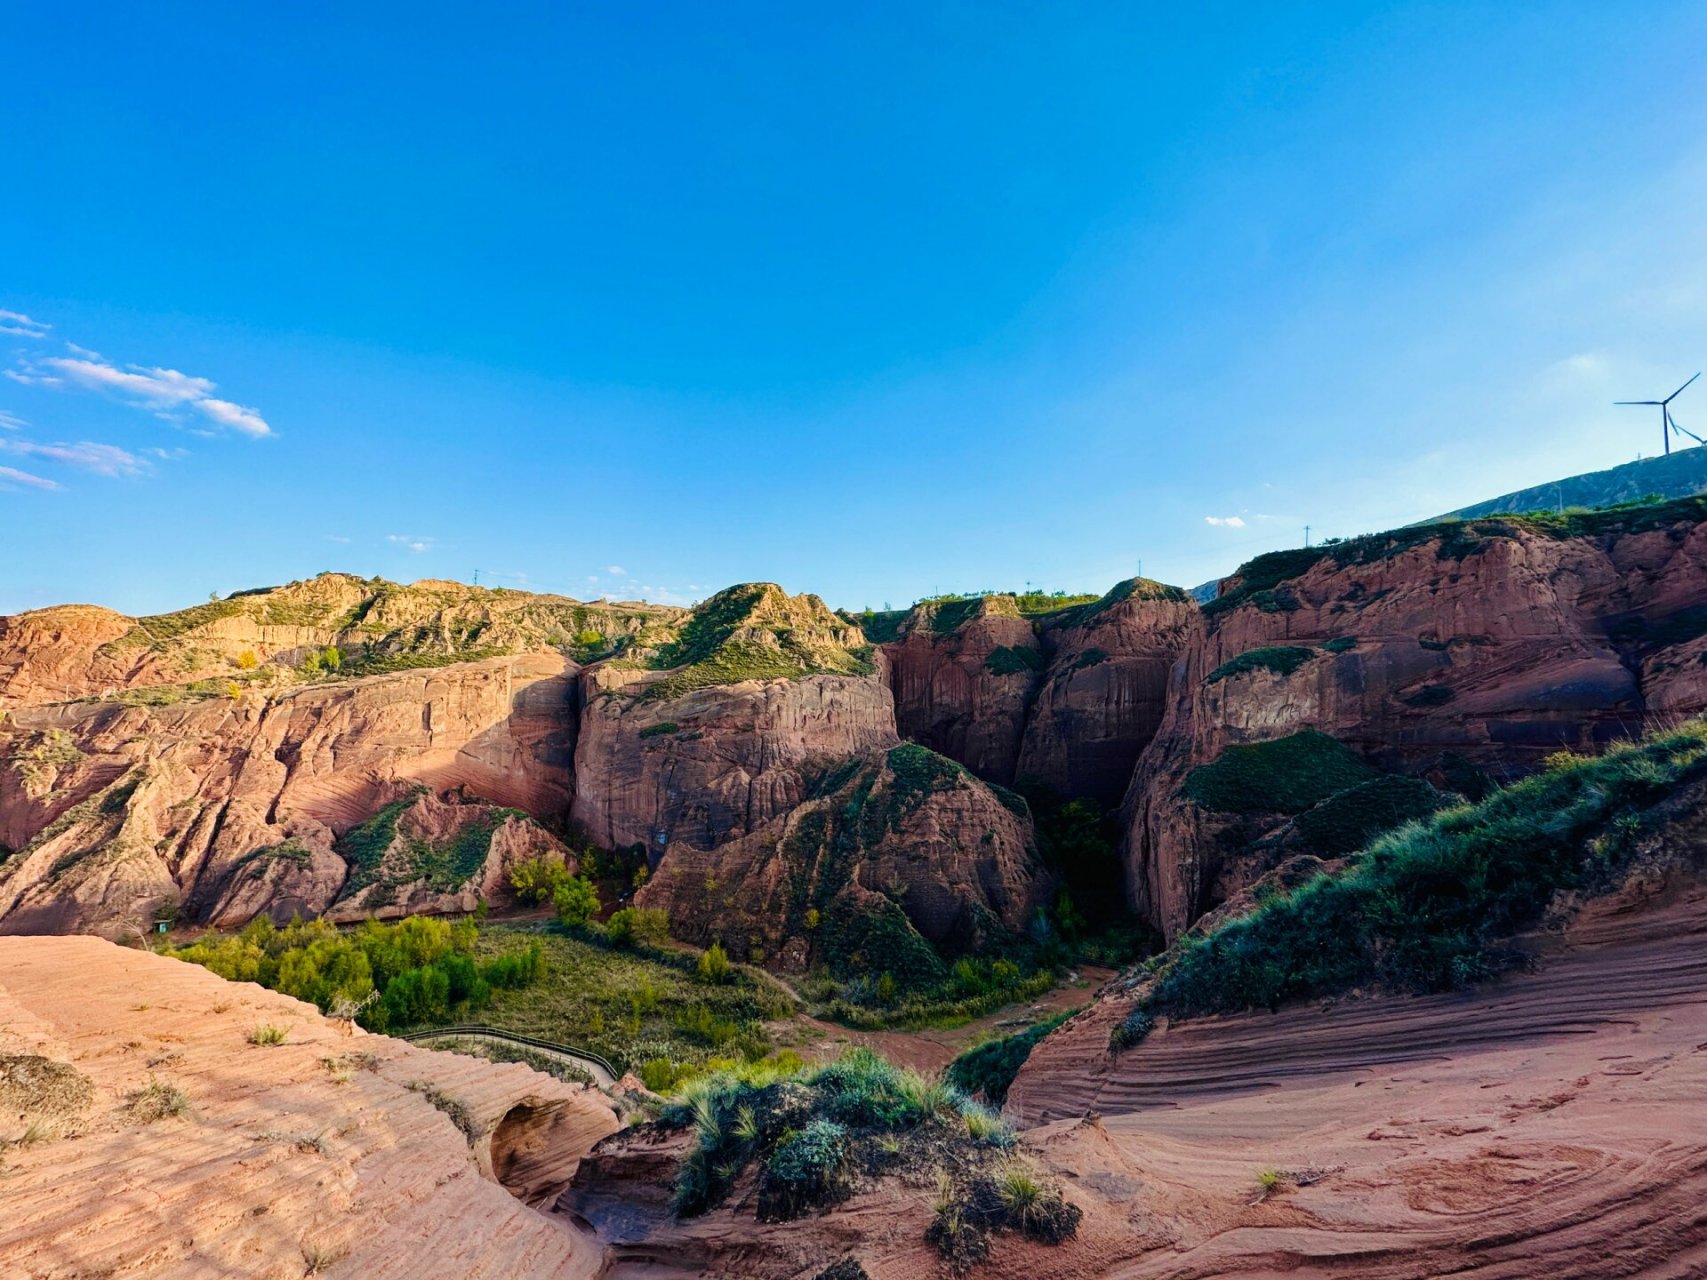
(328, 1148)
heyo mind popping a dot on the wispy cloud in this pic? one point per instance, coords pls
(11, 421)
(1225, 522)
(165, 392)
(616, 570)
(86, 455)
(12, 476)
(20, 325)
(336, 537)
(413, 542)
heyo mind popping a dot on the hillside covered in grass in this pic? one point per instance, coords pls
(1435, 904)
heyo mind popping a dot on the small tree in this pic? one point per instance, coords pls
(714, 964)
(538, 879)
(331, 658)
(576, 901)
(247, 661)
(639, 926)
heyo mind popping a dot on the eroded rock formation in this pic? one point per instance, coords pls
(165, 1144)
(1440, 651)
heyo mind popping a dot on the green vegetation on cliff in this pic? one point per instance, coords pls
(1262, 582)
(1282, 660)
(1283, 775)
(756, 632)
(1432, 905)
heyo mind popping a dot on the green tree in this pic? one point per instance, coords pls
(714, 964)
(639, 926)
(538, 879)
(576, 901)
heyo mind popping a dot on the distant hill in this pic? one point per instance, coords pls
(1678, 475)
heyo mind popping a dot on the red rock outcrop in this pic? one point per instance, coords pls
(715, 763)
(963, 673)
(715, 734)
(1487, 644)
(184, 804)
(189, 1152)
(1102, 694)
(887, 849)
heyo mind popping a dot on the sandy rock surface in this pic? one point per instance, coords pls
(328, 1148)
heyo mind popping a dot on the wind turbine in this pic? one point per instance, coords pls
(1667, 426)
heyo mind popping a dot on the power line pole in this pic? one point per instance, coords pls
(1306, 535)
(477, 577)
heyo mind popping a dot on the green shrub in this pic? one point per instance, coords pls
(265, 1035)
(539, 879)
(990, 1068)
(638, 927)
(1283, 660)
(1341, 644)
(1284, 775)
(663, 727)
(1132, 1029)
(806, 1170)
(576, 900)
(1426, 907)
(713, 964)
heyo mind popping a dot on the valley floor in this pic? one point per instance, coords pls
(1549, 1125)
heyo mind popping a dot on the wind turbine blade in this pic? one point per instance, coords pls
(1674, 395)
(1638, 402)
(1675, 426)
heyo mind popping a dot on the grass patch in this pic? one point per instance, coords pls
(266, 1035)
(1019, 660)
(1427, 907)
(1348, 819)
(1283, 775)
(157, 1101)
(990, 1068)
(1283, 660)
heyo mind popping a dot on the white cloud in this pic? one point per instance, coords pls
(592, 577)
(616, 570)
(165, 392)
(334, 537)
(11, 475)
(235, 416)
(19, 324)
(102, 459)
(1226, 522)
(413, 542)
(11, 421)
(166, 455)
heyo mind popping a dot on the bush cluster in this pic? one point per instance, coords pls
(421, 969)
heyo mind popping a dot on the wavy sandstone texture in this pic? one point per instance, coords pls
(328, 1150)
(1429, 651)
(1536, 1127)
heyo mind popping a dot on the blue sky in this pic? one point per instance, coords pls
(870, 300)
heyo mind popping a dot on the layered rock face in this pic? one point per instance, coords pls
(1065, 698)
(230, 808)
(1437, 651)
(1101, 696)
(716, 734)
(256, 638)
(963, 674)
(888, 851)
